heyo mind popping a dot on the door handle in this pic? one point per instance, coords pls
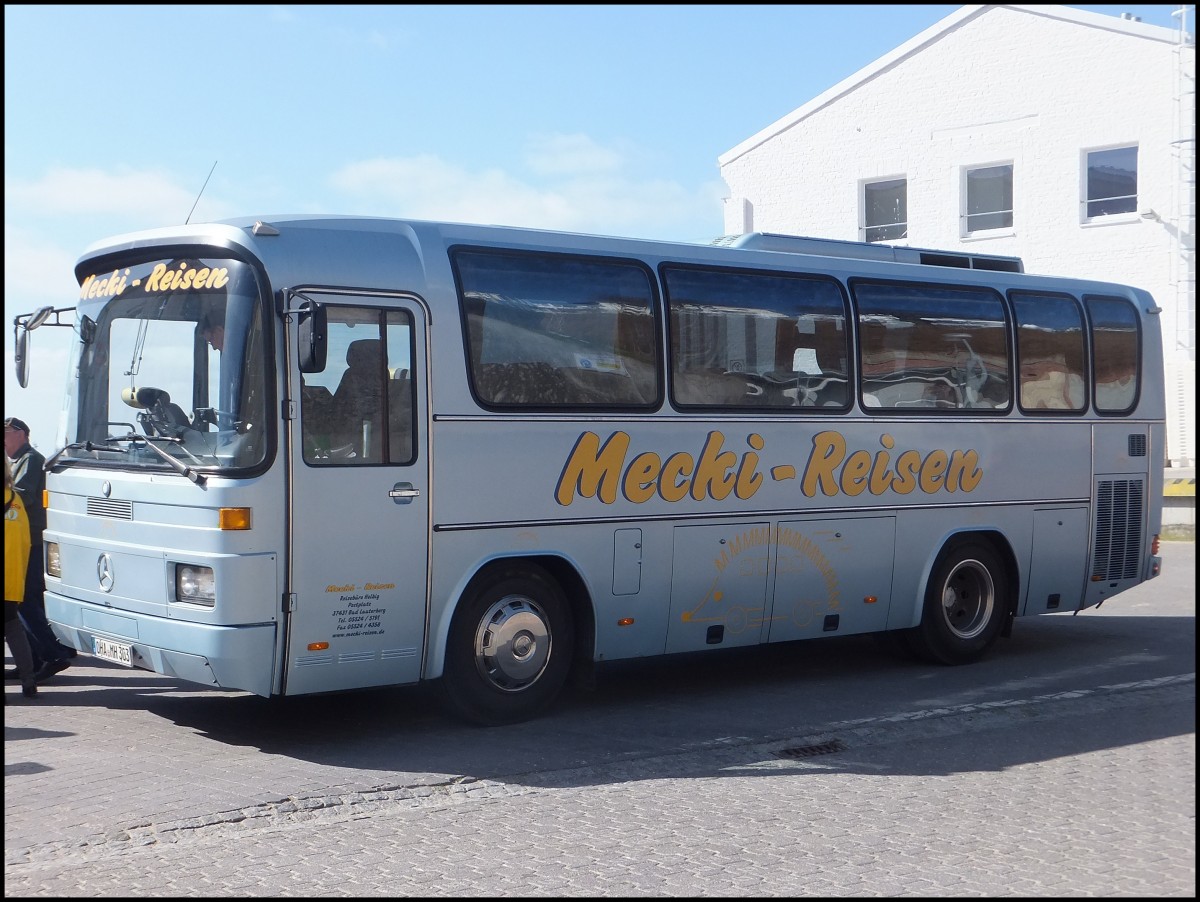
(403, 493)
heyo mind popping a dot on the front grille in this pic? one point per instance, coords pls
(103, 507)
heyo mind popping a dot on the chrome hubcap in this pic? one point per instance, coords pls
(512, 643)
(968, 598)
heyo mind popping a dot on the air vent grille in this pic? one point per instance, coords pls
(104, 507)
(1120, 506)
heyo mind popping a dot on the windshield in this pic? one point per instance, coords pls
(170, 352)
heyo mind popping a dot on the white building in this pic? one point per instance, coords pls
(1063, 137)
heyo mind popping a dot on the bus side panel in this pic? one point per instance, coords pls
(832, 577)
(922, 534)
(1058, 559)
(628, 623)
(719, 585)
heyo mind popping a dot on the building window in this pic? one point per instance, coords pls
(1111, 182)
(885, 210)
(989, 198)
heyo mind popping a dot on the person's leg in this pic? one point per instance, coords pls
(42, 641)
(18, 643)
(50, 655)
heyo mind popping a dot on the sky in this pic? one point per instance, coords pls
(591, 118)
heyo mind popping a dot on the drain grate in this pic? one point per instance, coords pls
(811, 751)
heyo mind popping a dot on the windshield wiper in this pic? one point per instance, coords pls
(176, 464)
(76, 446)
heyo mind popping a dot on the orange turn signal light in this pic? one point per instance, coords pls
(233, 518)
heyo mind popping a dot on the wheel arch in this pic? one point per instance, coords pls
(1000, 544)
(565, 573)
(908, 615)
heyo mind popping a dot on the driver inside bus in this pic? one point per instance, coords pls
(212, 327)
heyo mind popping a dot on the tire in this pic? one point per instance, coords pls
(966, 604)
(510, 646)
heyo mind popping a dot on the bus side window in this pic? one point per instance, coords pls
(764, 340)
(1050, 352)
(1114, 353)
(549, 331)
(932, 347)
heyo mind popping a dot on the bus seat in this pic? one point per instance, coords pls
(712, 388)
(532, 382)
(359, 396)
(593, 386)
(318, 418)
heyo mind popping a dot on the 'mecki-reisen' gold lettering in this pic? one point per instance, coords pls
(599, 470)
(161, 278)
(103, 286)
(182, 278)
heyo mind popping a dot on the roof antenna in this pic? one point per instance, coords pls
(202, 187)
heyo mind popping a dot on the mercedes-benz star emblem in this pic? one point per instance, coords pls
(104, 570)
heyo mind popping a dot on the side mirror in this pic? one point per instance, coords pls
(22, 326)
(312, 337)
(22, 356)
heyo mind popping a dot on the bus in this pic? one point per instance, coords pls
(305, 454)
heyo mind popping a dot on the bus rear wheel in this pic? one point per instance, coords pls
(966, 604)
(510, 647)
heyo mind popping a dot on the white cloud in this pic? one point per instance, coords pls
(36, 272)
(573, 184)
(149, 195)
(571, 155)
(122, 200)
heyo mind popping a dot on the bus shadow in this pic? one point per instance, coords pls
(663, 716)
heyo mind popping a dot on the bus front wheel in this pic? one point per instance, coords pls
(510, 646)
(966, 603)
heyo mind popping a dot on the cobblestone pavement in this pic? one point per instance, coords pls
(1058, 768)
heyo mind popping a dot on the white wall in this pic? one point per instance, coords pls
(1003, 85)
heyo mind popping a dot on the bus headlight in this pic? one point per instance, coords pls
(195, 585)
(53, 560)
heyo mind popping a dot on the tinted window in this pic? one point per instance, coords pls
(1050, 352)
(755, 339)
(550, 331)
(928, 347)
(1115, 353)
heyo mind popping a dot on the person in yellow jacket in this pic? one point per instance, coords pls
(16, 561)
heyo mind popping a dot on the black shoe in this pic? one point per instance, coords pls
(29, 687)
(49, 669)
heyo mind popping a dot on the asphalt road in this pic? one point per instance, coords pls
(1062, 764)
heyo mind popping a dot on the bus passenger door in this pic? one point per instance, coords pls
(359, 507)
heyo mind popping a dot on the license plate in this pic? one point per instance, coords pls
(117, 652)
